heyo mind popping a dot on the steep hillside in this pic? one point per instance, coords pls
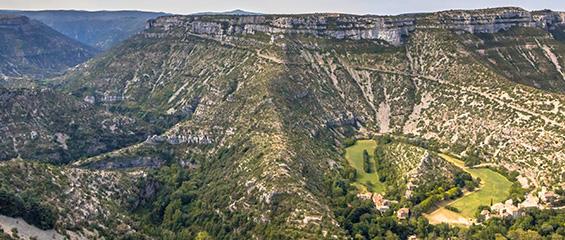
(48, 126)
(101, 29)
(525, 55)
(264, 102)
(241, 101)
(489, 101)
(77, 203)
(411, 171)
(404, 90)
(31, 50)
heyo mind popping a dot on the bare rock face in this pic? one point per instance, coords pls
(392, 29)
(548, 19)
(484, 22)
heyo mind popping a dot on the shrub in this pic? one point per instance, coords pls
(349, 142)
(367, 162)
(452, 208)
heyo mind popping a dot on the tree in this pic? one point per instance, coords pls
(391, 236)
(367, 162)
(422, 227)
(386, 139)
(520, 234)
(173, 215)
(348, 142)
(39, 215)
(380, 164)
(203, 236)
(473, 158)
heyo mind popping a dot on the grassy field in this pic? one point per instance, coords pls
(494, 187)
(354, 155)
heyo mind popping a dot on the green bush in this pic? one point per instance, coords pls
(367, 165)
(452, 208)
(349, 142)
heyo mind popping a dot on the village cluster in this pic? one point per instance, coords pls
(543, 199)
(383, 204)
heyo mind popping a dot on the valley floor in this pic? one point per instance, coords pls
(494, 187)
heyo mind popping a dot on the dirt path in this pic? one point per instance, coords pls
(443, 215)
(270, 58)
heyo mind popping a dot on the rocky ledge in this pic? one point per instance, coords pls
(393, 29)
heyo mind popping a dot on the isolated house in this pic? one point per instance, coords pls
(364, 196)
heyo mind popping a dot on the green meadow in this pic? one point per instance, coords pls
(494, 187)
(354, 155)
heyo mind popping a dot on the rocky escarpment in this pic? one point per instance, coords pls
(332, 26)
(393, 29)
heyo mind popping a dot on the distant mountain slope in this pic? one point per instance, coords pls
(101, 29)
(526, 47)
(31, 49)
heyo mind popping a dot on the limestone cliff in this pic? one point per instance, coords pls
(393, 29)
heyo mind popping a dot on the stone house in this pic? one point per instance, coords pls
(380, 202)
(486, 214)
(403, 213)
(531, 201)
(365, 196)
(505, 210)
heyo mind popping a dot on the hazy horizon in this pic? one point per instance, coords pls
(287, 7)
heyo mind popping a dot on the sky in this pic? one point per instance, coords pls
(379, 7)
